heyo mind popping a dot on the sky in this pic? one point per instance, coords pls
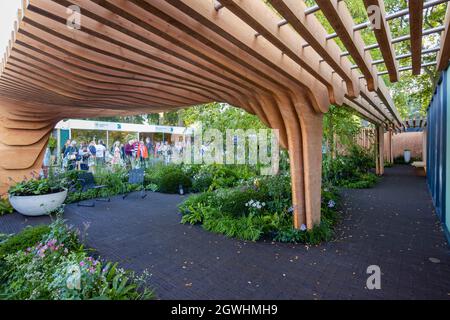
(8, 14)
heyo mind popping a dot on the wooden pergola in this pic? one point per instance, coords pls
(274, 60)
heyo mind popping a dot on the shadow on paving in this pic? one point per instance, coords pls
(392, 225)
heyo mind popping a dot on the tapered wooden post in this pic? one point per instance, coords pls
(311, 123)
(294, 137)
(391, 145)
(389, 148)
(379, 150)
(304, 134)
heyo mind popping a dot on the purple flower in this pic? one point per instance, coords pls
(331, 204)
(303, 227)
(81, 263)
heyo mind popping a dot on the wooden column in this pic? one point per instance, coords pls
(379, 150)
(294, 139)
(391, 139)
(389, 147)
(304, 134)
(311, 123)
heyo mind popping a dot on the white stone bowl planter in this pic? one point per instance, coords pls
(38, 205)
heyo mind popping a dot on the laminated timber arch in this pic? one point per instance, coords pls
(140, 56)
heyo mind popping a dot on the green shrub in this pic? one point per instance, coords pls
(5, 207)
(362, 181)
(233, 200)
(388, 165)
(34, 187)
(116, 183)
(229, 210)
(201, 182)
(204, 198)
(197, 213)
(168, 178)
(171, 182)
(57, 267)
(277, 192)
(28, 237)
(244, 228)
(346, 167)
(321, 233)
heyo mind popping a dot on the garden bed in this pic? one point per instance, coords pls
(49, 262)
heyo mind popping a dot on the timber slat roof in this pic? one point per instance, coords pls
(161, 55)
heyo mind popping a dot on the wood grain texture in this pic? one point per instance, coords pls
(143, 56)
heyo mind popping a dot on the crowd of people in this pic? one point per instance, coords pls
(132, 154)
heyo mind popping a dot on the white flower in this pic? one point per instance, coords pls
(263, 204)
(74, 277)
(303, 227)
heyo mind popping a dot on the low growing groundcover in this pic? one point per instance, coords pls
(256, 210)
(50, 263)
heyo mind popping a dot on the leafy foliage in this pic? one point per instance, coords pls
(220, 116)
(34, 187)
(168, 178)
(362, 181)
(5, 207)
(261, 207)
(49, 263)
(350, 167)
(29, 236)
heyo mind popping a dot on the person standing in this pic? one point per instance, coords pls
(46, 162)
(143, 154)
(128, 150)
(135, 149)
(149, 145)
(116, 160)
(63, 149)
(100, 151)
(71, 155)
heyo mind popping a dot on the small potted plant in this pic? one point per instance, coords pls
(36, 197)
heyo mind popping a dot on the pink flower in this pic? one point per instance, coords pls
(81, 263)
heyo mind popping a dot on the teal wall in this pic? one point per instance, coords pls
(438, 145)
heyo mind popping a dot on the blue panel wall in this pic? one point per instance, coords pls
(438, 142)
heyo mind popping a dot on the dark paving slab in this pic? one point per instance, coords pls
(392, 225)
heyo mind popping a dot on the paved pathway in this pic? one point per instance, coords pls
(392, 226)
